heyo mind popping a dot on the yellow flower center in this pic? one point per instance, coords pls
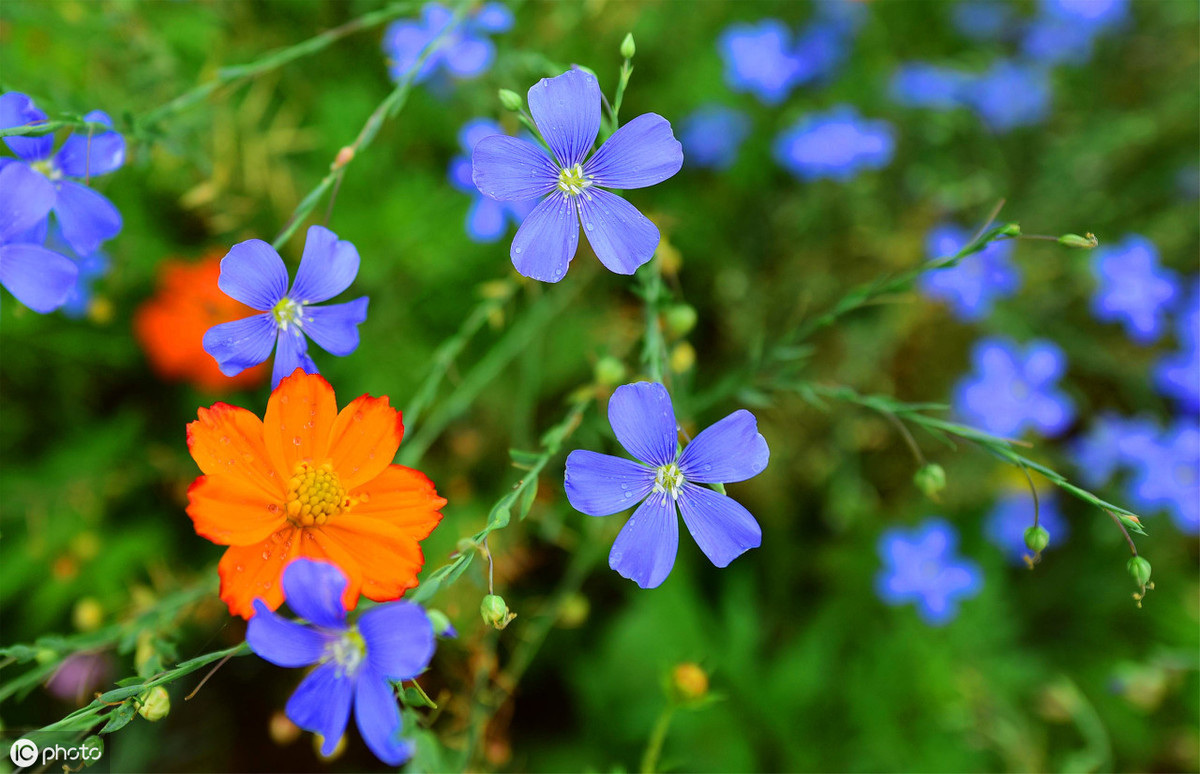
(287, 312)
(669, 479)
(47, 168)
(573, 181)
(314, 494)
(348, 652)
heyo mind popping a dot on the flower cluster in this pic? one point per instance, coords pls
(1014, 389)
(920, 567)
(466, 52)
(40, 182)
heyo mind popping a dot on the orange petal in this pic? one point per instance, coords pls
(388, 556)
(315, 544)
(299, 415)
(403, 497)
(232, 511)
(364, 439)
(254, 572)
(228, 441)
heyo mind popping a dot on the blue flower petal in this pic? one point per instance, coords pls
(511, 169)
(84, 156)
(378, 718)
(459, 174)
(253, 273)
(547, 239)
(729, 451)
(622, 237)
(494, 17)
(399, 639)
(335, 327)
(16, 109)
(241, 344)
(25, 200)
(1044, 362)
(291, 353)
(645, 549)
(314, 592)
(282, 642)
(475, 130)
(643, 420)
(40, 279)
(321, 704)
(469, 57)
(566, 109)
(485, 220)
(327, 267)
(722, 528)
(639, 154)
(601, 485)
(403, 42)
(85, 217)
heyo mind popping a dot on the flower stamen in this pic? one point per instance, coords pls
(315, 494)
(347, 651)
(669, 479)
(573, 181)
(287, 312)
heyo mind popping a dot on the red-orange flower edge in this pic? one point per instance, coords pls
(309, 481)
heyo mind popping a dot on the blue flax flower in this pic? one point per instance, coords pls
(40, 278)
(971, 287)
(1013, 514)
(759, 59)
(466, 53)
(86, 218)
(356, 664)
(644, 422)
(712, 135)
(835, 145)
(91, 268)
(488, 219)
(1013, 389)
(920, 567)
(253, 273)
(1065, 31)
(1167, 474)
(1177, 374)
(982, 19)
(1112, 443)
(1133, 289)
(924, 85)
(1010, 95)
(566, 110)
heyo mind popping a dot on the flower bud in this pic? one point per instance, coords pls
(930, 479)
(344, 157)
(464, 546)
(441, 624)
(1036, 539)
(87, 615)
(681, 318)
(628, 49)
(1083, 242)
(494, 611)
(281, 729)
(1012, 230)
(683, 357)
(1139, 568)
(689, 681)
(154, 704)
(609, 371)
(511, 100)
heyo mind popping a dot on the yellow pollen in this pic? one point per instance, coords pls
(315, 493)
(572, 180)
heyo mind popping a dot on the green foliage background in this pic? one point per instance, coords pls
(1054, 669)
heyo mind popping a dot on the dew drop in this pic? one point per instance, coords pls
(628, 495)
(266, 554)
(517, 250)
(240, 568)
(358, 416)
(296, 440)
(225, 440)
(589, 227)
(707, 468)
(283, 399)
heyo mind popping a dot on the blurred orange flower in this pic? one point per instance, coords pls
(171, 326)
(308, 481)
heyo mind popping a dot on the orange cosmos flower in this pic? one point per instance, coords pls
(171, 325)
(309, 481)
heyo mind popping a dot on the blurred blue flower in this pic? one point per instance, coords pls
(759, 59)
(712, 135)
(971, 287)
(566, 109)
(91, 267)
(836, 145)
(86, 217)
(982, 19)
(488, 219)
(1167, 474)
(40, 278)
(1133, 289)
(466, 53)
(1177, 375)
(1009, 95)
(1065, 31)
(253, 273)
(1012, 390)
(1013, 514)
(355, 664)
(1111, 443)
(920, 567)
(923, 85)
(643, 420)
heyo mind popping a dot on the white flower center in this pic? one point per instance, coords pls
(47, 168)
(287, 312)
(348, 652)
(572, 180)
(669, 479)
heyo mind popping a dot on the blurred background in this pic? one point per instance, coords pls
(835, 143)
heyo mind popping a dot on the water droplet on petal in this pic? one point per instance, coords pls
(296, 440)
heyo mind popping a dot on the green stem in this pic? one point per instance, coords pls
(657, 737)
(654, 346)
